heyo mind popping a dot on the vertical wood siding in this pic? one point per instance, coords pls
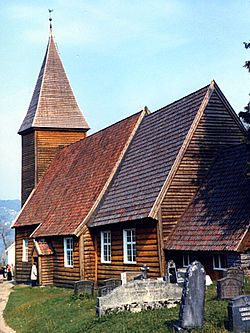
(48, 143)
(146, 250)
(215, 130)
(28, 165)
(38, 150)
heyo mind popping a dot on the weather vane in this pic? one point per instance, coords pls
(50, 19)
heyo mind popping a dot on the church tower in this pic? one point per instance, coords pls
(53, 120)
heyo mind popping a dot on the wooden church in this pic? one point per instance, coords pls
(154, 187)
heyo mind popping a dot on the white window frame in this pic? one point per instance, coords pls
(183, 259)
(129, 244)
(25, 256)
(106, 246)
(68, 252)
(219, 268)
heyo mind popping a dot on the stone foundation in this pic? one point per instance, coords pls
(139, 295)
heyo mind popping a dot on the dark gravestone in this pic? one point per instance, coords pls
(106, 286)
(239, 314)
(236, 273)
(144, 269)
(229, 287)
(84, 287)
(193, 297)
(171, 272)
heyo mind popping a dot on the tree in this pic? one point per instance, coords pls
(245, 115)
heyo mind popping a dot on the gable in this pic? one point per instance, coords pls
(75, 180)
(148, 161)
(218, 128)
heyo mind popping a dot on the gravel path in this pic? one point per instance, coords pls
(5, 289)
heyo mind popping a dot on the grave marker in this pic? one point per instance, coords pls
(229, 287)
(239, 314)
(193, 297)
(84, 287)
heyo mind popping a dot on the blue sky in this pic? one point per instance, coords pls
(120, 55)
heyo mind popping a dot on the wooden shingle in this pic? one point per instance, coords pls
(218, 217)
(76, 179)
(53, 104)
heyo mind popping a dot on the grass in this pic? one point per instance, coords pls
(46, 310)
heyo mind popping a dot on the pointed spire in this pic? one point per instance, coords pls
(53, 104)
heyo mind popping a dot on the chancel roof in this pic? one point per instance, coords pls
(53, 104)
(219, 216)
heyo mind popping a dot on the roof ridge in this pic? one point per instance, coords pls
(43, 77)
(180, 99)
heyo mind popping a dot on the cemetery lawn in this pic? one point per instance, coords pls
(46, 310)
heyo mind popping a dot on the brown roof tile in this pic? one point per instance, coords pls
(219, 215)
(75, 179)
(53, 104)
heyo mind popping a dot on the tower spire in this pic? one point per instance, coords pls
(50, 21)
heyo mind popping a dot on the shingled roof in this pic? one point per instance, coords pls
(219, 216)
(149, 160)
(53, 104)
(76, 179)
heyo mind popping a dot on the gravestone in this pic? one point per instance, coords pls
(144, 269)
(236, 273)
(193, 297)
(171, 272)
(239, 314)
(84, 287)
(229, 287)
(106, 286)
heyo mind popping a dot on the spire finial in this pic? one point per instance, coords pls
(50, 20)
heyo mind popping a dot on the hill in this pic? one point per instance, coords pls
(8, 211)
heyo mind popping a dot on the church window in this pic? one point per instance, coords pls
(105, 246)
(25, 249)
(129, 246)
(68, 252)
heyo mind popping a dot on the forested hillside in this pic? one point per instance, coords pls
(8, 211)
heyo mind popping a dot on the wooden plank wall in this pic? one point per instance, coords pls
(146, 250)
(215, 130)
(23, 268)
(64, 276)
(47, 270)
(28, 165)
(89, 255)
(48, 143)
(38, 150)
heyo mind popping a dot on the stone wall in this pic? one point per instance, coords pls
(139, 295)
(245, 262)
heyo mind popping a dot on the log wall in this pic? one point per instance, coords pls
(89, 255)
(216, 129)
(23, 268)
(64, 276)
(47, 270)
(146, 250)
